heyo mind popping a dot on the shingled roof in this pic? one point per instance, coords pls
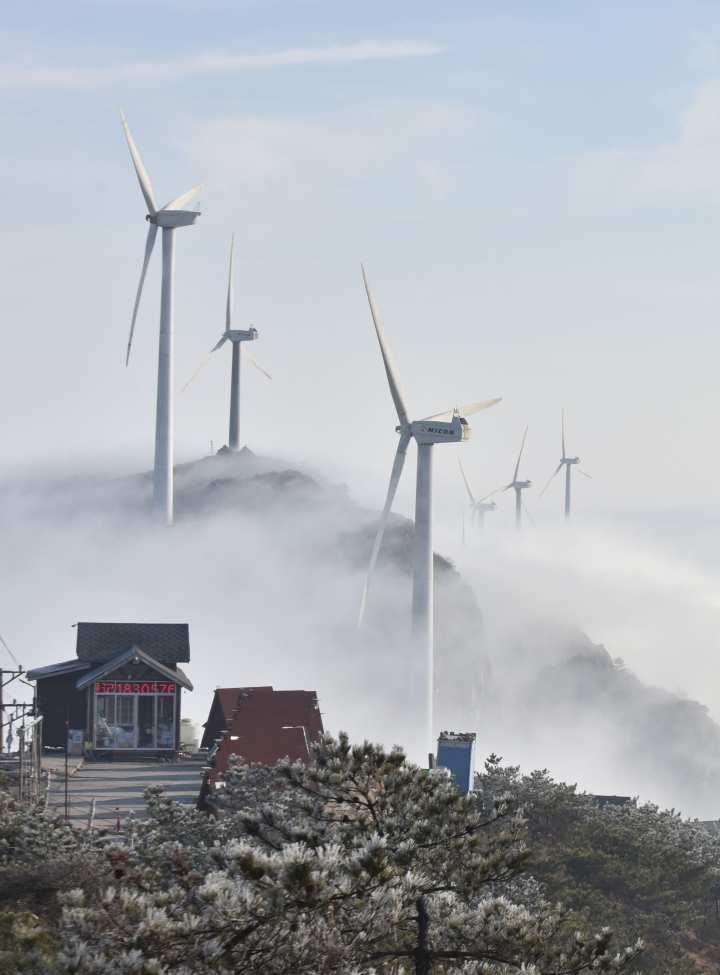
(168, 643)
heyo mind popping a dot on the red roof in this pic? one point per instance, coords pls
(228, 696)
(267, 725)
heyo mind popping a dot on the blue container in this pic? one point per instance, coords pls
(456, 753)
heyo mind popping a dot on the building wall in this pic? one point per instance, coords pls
(132, 672)
(215, 725)
(58, 701)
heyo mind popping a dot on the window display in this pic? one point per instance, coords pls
(142, 719)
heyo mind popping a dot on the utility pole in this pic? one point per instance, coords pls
(21, 760)
(67, 735)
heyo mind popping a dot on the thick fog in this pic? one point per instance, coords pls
(266, 563)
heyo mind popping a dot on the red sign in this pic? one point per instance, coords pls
(134, 687)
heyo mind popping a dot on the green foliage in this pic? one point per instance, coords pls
(25, 943)
(646, 871)
(358, 862)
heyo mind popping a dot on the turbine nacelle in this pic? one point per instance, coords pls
(173, 218)
(570, 460)
(242, 334)
(485, 506)
(168, 217)
(521, 484)
(440, 431)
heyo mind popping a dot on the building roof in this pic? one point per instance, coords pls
(262, 712)
(135, 654)
(226, 699)
(166, 643)
(268, 725)
(56, 670)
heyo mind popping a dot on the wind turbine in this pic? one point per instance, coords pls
(477, 507)
(236, 336)
(568, 463)
(519, 486)
(168, 218)
(448, 427)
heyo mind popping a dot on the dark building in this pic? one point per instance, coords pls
(122, 693)
(261, 725)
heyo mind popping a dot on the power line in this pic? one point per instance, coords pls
(12, 655)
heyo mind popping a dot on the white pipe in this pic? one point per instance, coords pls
(423, 591)
(234, 433)
(165, 412)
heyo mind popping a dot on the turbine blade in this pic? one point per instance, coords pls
(466, 410)
(527, 514)
(522, 447)
(563, 434)
(180, 202)
(217, 345)
(197, 371)
(467, 483)
(584, 474)
(229, 302)
(390, 368)
(141, 172)
(493, 493)
(551, 478)
(149, 244)
(254, 362)
(398, 464)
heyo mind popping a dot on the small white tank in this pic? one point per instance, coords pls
(189, 734)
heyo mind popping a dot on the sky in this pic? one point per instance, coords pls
(533, 189)
(533, 192)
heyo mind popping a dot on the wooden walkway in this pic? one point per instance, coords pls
(118, 787)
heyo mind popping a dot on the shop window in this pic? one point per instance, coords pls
(134, 721)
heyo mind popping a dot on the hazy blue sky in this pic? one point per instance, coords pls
(533, 187)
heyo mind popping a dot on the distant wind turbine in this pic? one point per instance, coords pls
(169, 218)
(568, 463)
(448, 427)
(519, 486)
(478, 507)
(236, 337)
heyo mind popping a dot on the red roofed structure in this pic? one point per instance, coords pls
(222, 711)
(261, 725)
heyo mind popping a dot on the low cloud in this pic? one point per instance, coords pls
(679, 169)
(214, 62)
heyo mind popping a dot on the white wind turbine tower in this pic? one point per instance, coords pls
(236, 336)
(518, 485)
(448, 427)
(568, 463)
(169, 218)
(478, 506)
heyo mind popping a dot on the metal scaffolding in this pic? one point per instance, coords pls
(21, 740)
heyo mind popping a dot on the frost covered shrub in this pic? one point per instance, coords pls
(647, 871)
(358, 862)
(24, 943)
(29, 834)
(39, 856)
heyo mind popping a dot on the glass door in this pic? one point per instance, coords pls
(115, 721)
(146, 721)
